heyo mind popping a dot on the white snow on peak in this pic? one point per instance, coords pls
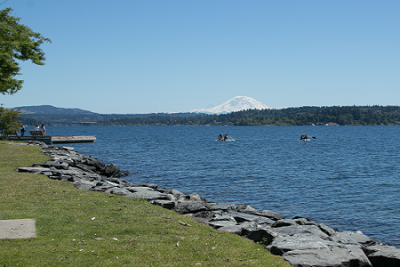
(235, 104)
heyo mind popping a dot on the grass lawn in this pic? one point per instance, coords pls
(85, 228)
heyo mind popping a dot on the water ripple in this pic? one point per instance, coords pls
(348, 177)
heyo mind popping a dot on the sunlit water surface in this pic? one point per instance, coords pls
(347, 178)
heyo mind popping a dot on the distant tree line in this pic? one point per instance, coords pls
(336, 115)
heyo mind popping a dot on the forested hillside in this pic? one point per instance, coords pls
(346, 115)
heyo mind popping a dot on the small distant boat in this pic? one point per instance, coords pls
(305, 137)
(225, 138)
(228, 140)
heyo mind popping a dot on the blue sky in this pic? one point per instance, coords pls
(131, 56)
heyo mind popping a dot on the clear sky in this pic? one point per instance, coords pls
(136, 56)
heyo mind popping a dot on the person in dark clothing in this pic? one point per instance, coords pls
(43, 129)
(22, 130)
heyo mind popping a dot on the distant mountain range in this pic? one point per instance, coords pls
(237, 103)
(253, 115)
(48, 109)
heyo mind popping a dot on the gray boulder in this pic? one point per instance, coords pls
(310, 230)
(221, 206)
(245, 217)
(272, 215)
(232, 229)
(326, 229)
(111, 170)
(208, 214)
(283, 223)
(167, 204)
(328, 257)
(383, 256)
(52, 164)
(223, 218)
(260, 234)
(347, 237)
(97, 164)
(282, 244)
(194, 197)
(247, 209)
(220, 224)
(150, 185)
(190, 207)
(304, 221)
(145, 193)
(35, 170)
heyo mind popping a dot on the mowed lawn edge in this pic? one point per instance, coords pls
(85, 228)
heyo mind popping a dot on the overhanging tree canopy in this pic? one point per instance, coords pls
(17, 42)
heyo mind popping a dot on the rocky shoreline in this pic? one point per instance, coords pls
(300, 241)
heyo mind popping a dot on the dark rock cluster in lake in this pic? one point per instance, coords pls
(300, 241)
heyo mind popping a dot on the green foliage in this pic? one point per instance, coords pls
(346, 115)
(8, 121)
(17, 42)
(370, 115)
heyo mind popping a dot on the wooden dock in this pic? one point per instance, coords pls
(54, 139)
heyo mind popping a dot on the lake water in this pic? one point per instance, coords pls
(347, 178)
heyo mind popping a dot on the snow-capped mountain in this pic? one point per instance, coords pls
(235, 104)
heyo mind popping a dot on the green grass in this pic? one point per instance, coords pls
(85, 228)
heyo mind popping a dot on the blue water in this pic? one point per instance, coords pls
(347, 178)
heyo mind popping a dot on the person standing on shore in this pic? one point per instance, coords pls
(43, 129)
(22, 130)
